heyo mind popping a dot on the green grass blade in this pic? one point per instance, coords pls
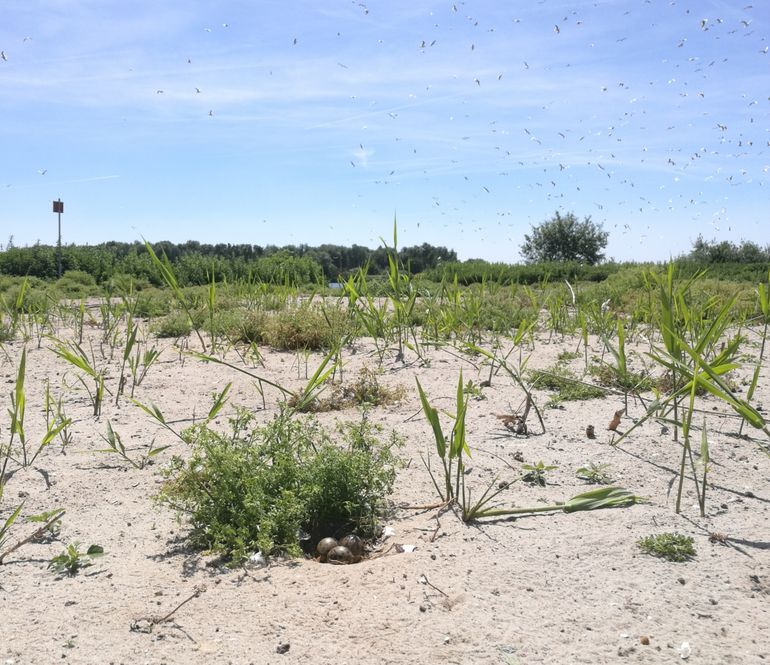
(601, 497)
(219, 401)
(432, 415)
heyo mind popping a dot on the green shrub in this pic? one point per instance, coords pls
(173, 325)
(670, 546)
(76, 284)
(250, 327)
(152, 303)
(305, 327)
(259, 488)
(123, 283)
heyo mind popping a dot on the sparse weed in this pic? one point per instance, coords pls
(474, 391)
(74, 354)
(72, 560)
(116, 447)
(596, 474)
(366, 391)
(50, 522)
(535, 473)
(567, 356)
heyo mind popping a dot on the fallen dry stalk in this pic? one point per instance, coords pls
(35, 534)
(146, 624)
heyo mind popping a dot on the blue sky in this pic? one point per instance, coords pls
(281, 122)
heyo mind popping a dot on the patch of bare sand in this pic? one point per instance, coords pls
(556, 588)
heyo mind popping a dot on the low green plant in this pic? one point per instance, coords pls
(72, 560)
(565, 384)
(596, 474)
(218, 403)
(474, 391)
(74, 354)
(307, 327)
(250, 327)
(26, 456)
(258, 488)
(50, 522)
(669, 546)
(7, 524)
(116, 447)
(535, 473)
(620, 375)
(173, 325)
(139, 364)
(76, 284)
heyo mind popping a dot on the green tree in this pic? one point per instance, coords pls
(564, 238)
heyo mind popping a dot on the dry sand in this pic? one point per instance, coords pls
(556, 588)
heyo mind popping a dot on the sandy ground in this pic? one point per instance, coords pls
(555, 588)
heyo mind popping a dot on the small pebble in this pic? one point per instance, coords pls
(283, 647)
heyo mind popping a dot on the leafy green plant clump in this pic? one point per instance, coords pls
(566, 385)
(596, 474)
(261, 488)
(305, 327)
(72, 560)
(535, 473)
(566, 356)
(176, 324)
(670, 546)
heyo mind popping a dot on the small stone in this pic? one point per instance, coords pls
(423, 608)
(283, 647)
(681, 580)
(644, 640)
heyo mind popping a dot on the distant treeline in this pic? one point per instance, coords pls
(477, 271)
(724, 251)
(722, 260)
(194, 262)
